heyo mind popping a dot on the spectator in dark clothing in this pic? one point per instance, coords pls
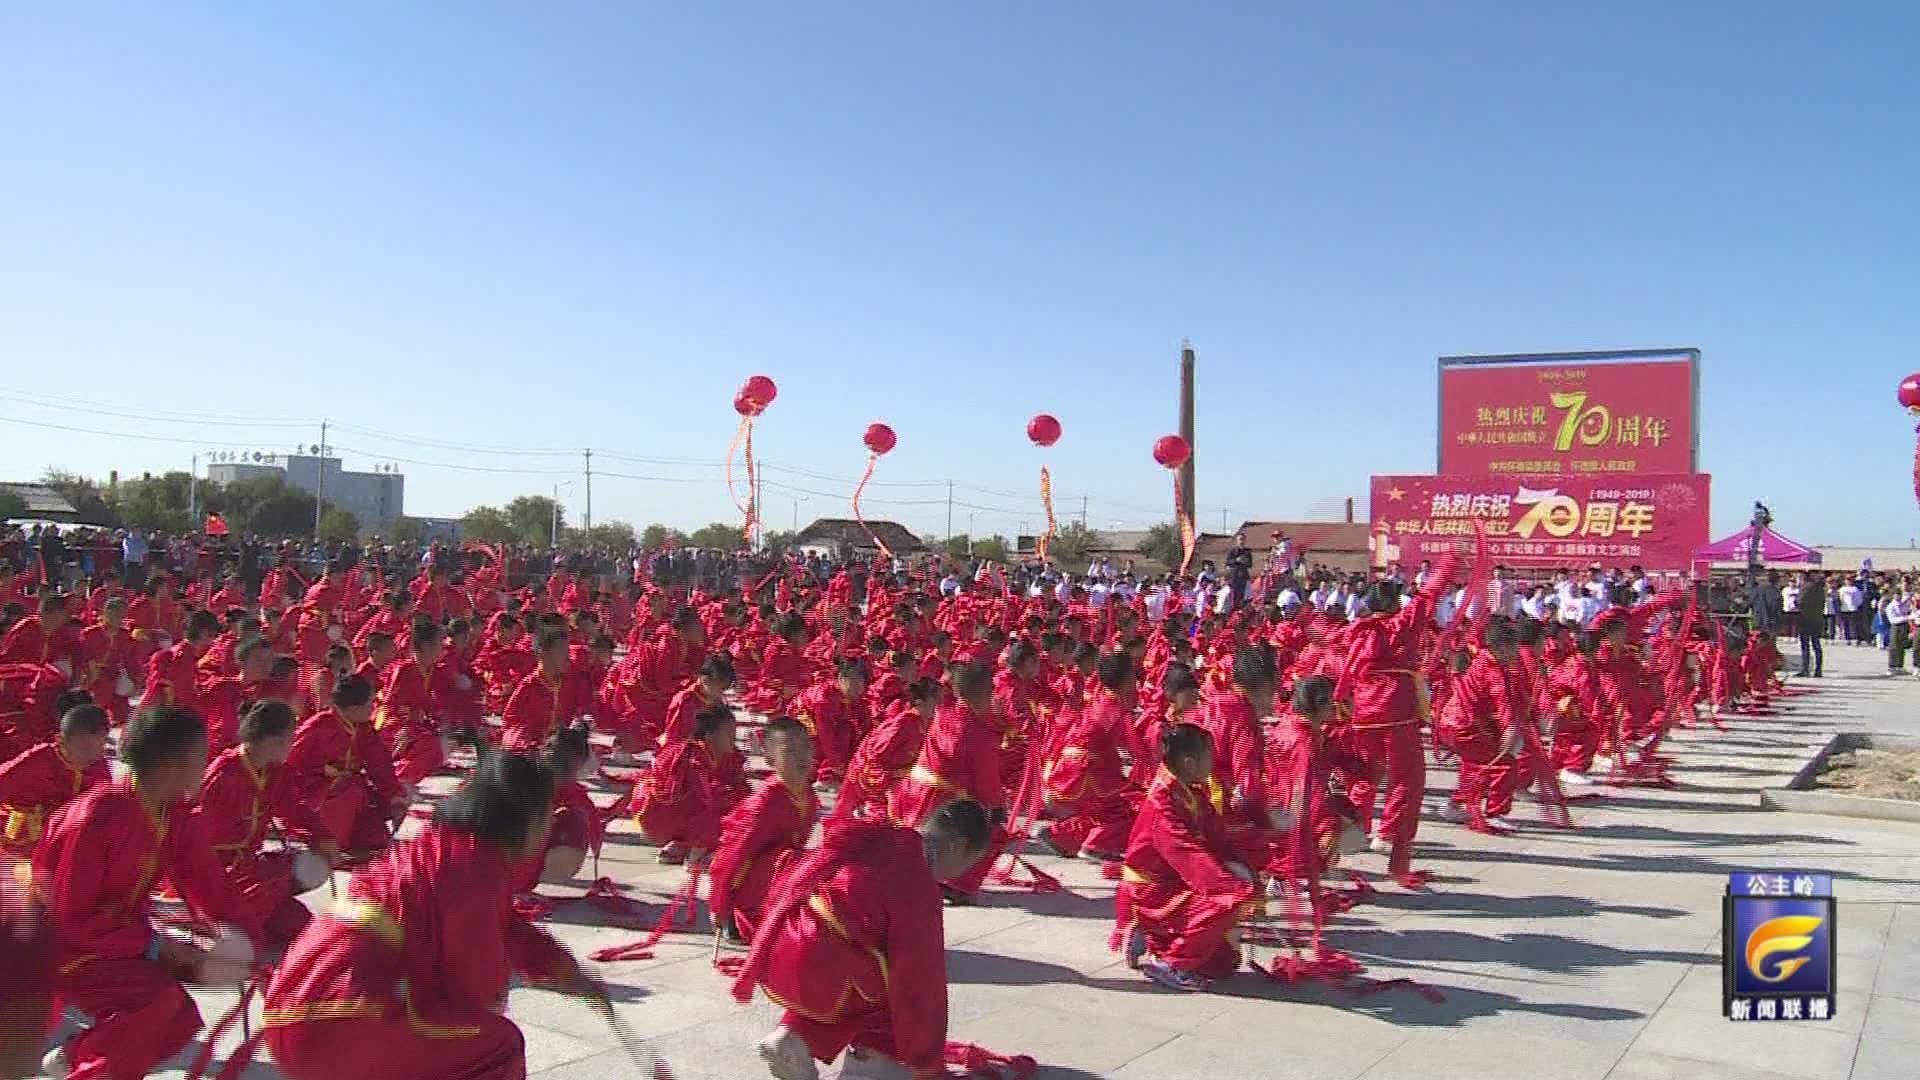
(1811, 622)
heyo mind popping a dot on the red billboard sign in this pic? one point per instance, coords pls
(1656, 522)
(1569, 414)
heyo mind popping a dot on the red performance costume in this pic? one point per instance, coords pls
(541, 706)
(404, 979)
(1379, 678)
(959, 760)
(238, 800)
(408, 716)
(1175, 887)
(758, 838)
(32, 787)
(685, 794)
(1087, 783)
(96, 869)
(852, 948)
(882, 761)
(342, 771)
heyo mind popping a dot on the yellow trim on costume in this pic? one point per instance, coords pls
(438, 1031)
(351, 1009)
(922, 775)
(371, 917)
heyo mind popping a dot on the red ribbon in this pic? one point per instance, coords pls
(1046, 500)
(872, 460)
(980, 1061)
(1186, 525)
(686, 901)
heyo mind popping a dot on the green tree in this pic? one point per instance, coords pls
(611, 535)
(655, 537)
(718, 535)
(12, 505)
(954, 546)
(155, 502)
(780, 540)
(338, 524)
(406, 530)
(533, 518)
(266, 505)
(1162, 544)
(89, 505)
(992, 548)
(1072, 545)
(488, 525)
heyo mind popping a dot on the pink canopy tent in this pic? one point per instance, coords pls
(1774, 548)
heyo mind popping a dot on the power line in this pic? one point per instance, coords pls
(160, 418)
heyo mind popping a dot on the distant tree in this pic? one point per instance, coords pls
(611, 535)
(89, 505)
(533, 517)
(955, 546)
(406, 530)
(1162, 544)
(780, 540)
(12, 506)
(338, 524)
(992, 548)
(1072, 545)
(155, 502)
(718, 535)
(654, 537)
(488, 525)
(266, 505)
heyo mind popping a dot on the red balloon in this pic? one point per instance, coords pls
(1910, 392)
(745, 405)
(761, 390)
(1044, 430)
(1171, 451)
(879, 438)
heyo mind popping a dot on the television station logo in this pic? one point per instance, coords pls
(1779, 946)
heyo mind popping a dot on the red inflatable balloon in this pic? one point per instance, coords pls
(879, 438)
(1171, 451)
(745, 405)
(1044, 430)
(1910, 392)
(761, 390)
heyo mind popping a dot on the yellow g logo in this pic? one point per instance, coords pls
(1786, 934)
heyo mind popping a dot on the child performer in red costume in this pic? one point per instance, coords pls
(689, 788)
(1086, 783)
(888, 753)
(47, 777)
(1481, 723)
(960, 759)
(834, 712)
(575, 831)
(404, 979)
(1181, 893)
(246, 788)
(851, 947)
(1380, 678)
(97, 868)
(764, 833)
(340, 769)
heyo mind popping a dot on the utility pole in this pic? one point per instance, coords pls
(193, 493)
(1083, 511)
(587, 517)
(950, 516)
(320, 481)
(553, 529)
(1223, 519)
(1186, 430)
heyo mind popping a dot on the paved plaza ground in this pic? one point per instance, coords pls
(1561, 956)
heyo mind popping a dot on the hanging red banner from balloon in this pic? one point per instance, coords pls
(1171, 452)
(879, 439)
(1909, 395)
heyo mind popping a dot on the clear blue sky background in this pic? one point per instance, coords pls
(583, 224)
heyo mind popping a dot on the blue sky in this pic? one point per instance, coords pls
(581, 225)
